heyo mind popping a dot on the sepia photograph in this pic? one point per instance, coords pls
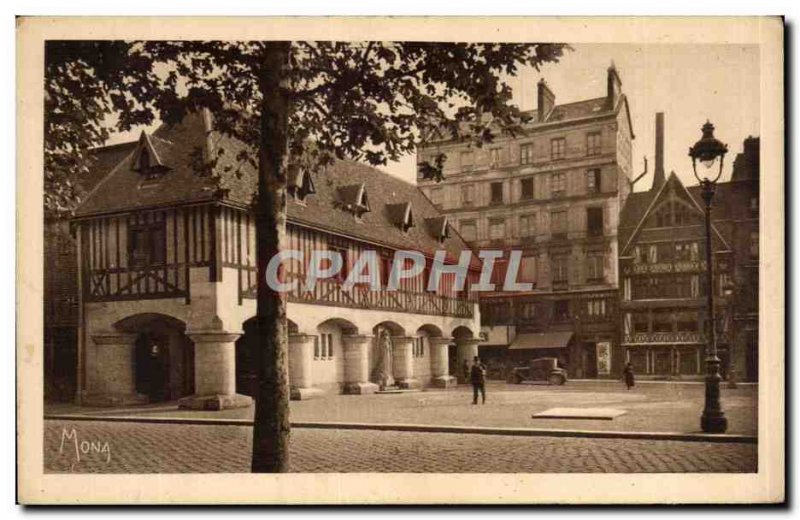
(350, 248)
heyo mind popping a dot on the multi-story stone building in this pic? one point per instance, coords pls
(555, 193)
(166, 249)
(662, 263)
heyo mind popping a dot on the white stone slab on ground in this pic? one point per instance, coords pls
(601, 414)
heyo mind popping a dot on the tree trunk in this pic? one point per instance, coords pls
(271, 426)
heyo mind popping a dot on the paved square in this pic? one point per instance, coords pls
(649, 407)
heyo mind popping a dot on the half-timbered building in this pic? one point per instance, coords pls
(166, 249)
(663, 307)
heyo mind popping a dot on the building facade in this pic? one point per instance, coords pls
(663, 305)
(166, 246)
(554, 193)
(61, 294)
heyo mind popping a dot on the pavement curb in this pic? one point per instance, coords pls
(426, 428)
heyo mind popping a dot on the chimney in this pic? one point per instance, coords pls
(614, 88)
(545, 100)
(658, 175)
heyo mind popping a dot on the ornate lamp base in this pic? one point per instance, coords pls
(713, 419)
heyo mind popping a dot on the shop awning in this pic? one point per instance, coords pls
(539, 340)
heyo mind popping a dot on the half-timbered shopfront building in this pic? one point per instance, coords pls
(166, 249)
(664, 289)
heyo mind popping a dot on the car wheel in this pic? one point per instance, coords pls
(556, 379)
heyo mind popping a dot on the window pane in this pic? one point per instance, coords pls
(557, 148)
(526, 187)
(593, 143)
(497, 192)
(468, 230)
(525, 154)
(594, 217)
(497, 229)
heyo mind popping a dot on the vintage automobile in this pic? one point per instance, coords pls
(541, 369)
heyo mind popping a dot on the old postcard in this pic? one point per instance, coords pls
(400, 261)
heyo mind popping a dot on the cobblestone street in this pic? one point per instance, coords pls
(105, 447)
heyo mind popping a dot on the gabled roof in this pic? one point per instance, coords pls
(230, 180)
(639, 206)
(179, 146)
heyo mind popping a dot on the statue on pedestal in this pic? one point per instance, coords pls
(383, 367)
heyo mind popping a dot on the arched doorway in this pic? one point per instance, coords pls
(164, 356)
(247, 357)
(456, 361)
(381, 356)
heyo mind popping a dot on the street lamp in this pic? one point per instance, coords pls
(709, 151)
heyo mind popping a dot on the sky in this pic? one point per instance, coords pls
(690, 83)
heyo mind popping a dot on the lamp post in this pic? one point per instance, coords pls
(709, 152)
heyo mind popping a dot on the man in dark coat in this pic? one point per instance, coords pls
(477, 376)
(627, 374)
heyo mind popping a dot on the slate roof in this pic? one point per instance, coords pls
(102, 161)
(575, 110)
(180, 146)
(124, 189)
(565, 112)
(386, 193)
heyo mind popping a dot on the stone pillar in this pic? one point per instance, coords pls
(403, 361)
(115, 382)
(356, 365)
(440, 362)
(467, 349)
(301, 353)
(214, 372)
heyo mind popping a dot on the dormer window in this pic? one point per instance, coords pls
(353, 198)
(401, 216)
(439, 228)
(144, 162)
(300, 184)
(147, 160)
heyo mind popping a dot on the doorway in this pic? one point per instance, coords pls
(163, 357)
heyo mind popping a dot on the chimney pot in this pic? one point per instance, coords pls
(545, 99)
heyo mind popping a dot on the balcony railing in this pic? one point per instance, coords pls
(683, 266)
(640, 338)
(330, 292)
(137, 282)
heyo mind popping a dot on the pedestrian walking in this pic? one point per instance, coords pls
(627, 374)
(477, 376)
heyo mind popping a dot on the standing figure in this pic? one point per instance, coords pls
(478, 379)
(158, 373)
(627, 374)
(385, 368)
(465, 370)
